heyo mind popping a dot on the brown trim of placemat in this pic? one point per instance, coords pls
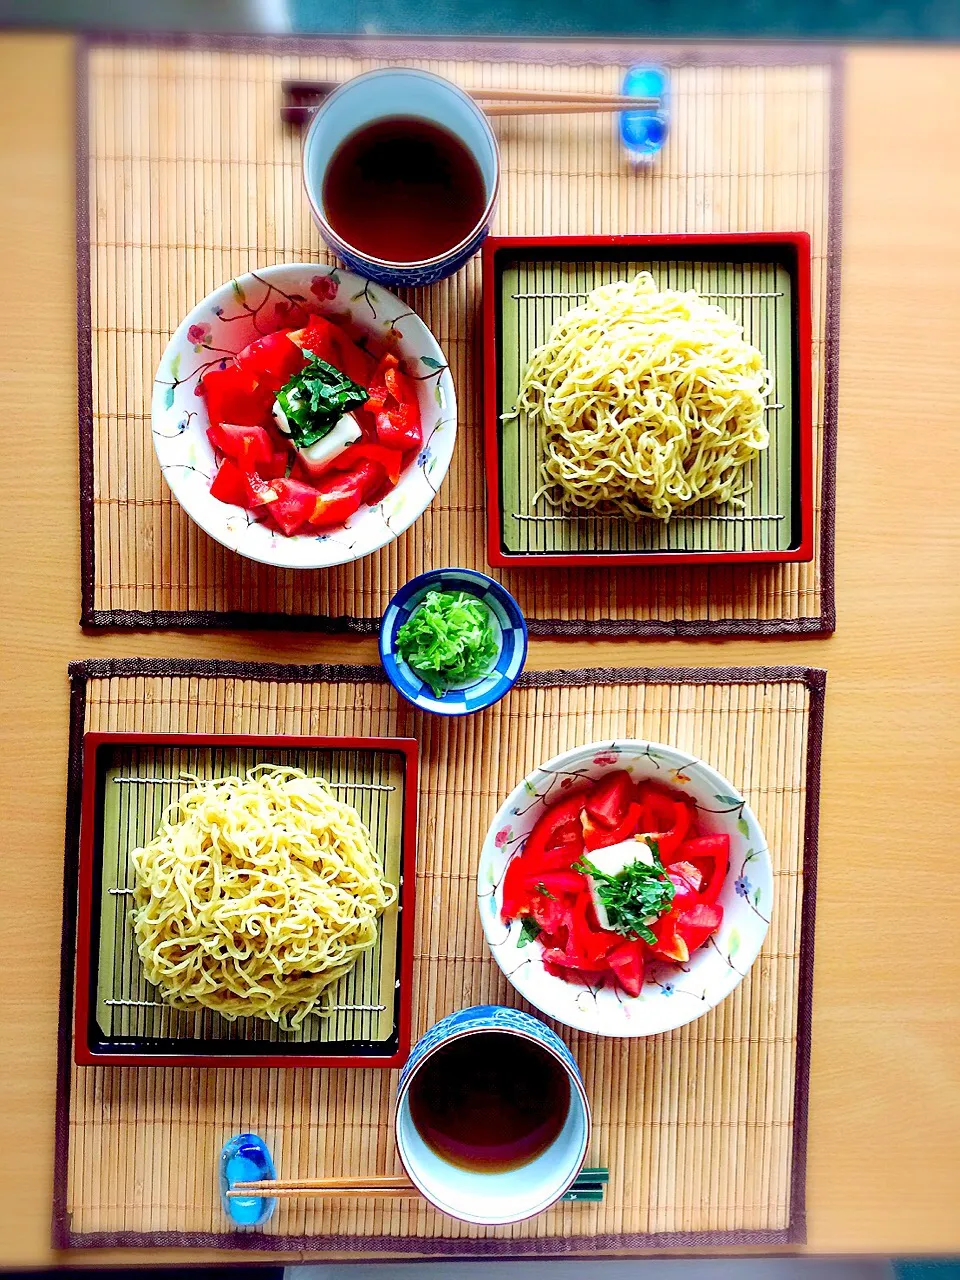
(556, 52)
(84, 338)
(60, 1227)
(814, 678)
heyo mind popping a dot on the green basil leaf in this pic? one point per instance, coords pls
(316, 398)
(529, 930)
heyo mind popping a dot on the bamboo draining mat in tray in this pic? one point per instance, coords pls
(703, 1129)
(187, 177)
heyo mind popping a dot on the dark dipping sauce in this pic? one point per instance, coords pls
(403, 189)
(490, 1102)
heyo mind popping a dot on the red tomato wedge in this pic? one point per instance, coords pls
(627, 964)
(247, 446)
(696, 925)
(363, 451)
(559, 826)
(551, 914)
(670, 945)
(272, 360)
(598, 837)
(340, 495)
(329, 342)
(686, 881)
(711, 856)
(608, 802)
(230, 484)
(237, 396)
(666, 817)
(294, 504)
(393, 401)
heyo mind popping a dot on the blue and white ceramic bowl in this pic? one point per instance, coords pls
(493, 1199)
(672, 995)
(480, 693)
(377, 95)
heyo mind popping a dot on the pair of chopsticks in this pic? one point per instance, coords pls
(302, 97)
(588, 1187)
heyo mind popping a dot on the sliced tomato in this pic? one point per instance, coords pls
(551, 830)
(563, 964)
(690, 872)
(329, 342)
(516, 900)
(294, 505)
(276, 467)
(561, 882)
(626, 962)
(272, 360)
(589, 943)
(667, 818)
(607, 803)
(237, 396)
(340, 495)
(711, 856)
(260, 492)
(552, 915)
(247, 446)
(230, 484)
(598, 837)
(390, 459)
(393, 400)
(527, 888)
(669, 945)
(686, 881)
(399, 428)
(696, 925)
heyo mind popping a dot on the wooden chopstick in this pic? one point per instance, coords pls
(564, 106)
(300, 113)
(282, 1187)
(590, 1183)
(314, 89)
(304, 96)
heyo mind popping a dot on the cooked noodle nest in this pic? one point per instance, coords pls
(646, 401)
(256, 895)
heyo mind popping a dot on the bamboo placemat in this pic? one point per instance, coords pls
(186, 177)
(703, 1129)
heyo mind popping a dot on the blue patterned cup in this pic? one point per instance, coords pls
(494, 1198)
(378, 95)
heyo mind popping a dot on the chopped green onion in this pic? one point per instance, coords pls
(448, 640)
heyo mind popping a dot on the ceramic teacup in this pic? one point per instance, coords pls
(480, 1196)
(378, 95)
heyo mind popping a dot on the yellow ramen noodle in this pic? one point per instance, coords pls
(646, 401)
(256, 895)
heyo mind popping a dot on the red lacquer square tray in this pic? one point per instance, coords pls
(119, 1018)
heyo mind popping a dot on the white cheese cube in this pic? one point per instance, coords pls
(317, 457)
(613, 861)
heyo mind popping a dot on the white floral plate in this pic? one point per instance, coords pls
(281, 297)
(672, 994)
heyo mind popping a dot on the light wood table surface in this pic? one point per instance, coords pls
(884, 1151)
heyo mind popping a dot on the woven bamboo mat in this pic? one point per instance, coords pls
(703, 1129)
(186, 177)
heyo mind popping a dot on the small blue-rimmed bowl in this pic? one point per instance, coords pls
(485, 690)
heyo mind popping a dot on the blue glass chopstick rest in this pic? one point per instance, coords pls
(246, 1158)
(643, 132)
